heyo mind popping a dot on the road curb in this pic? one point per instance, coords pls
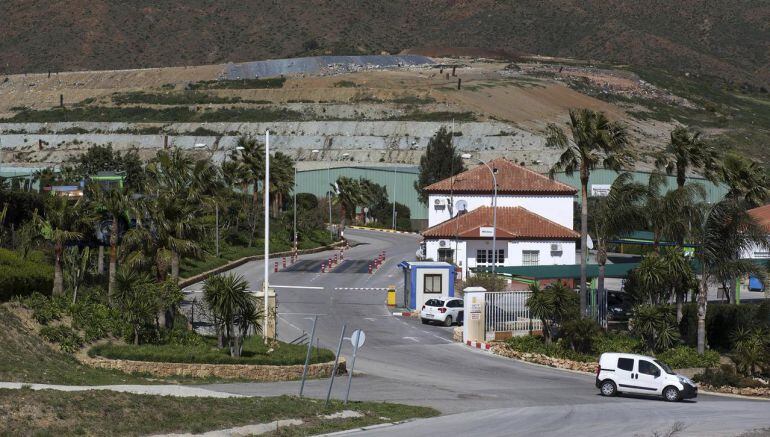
(367, 428)
(478, 345)
(390, 231)
(402, 313)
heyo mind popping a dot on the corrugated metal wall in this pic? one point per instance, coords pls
(714, 192)
(317, 182)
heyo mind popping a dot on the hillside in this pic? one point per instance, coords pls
(726, 39)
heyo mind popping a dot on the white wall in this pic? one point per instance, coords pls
(420, 297)
(465, 254)
(558, 209)
(756, 252)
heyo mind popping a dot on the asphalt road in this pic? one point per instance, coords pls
(479, 393)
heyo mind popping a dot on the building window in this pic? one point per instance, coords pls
(432, 284)
(446, 255)
(484, 256)
(530, 257)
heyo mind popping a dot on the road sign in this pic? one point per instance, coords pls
(358, 338)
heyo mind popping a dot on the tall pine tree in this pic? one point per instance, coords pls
(441, 160)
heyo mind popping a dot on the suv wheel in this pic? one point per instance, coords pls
(608, 388)
(671, 394)
(448, 321)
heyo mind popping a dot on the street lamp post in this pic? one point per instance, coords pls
(295, 207)
(494, 213)
(267, 231)
(393, 213)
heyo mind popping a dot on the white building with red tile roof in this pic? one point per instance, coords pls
(761, 216)
(534, 218)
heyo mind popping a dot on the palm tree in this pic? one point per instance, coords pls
(136, 298)
(619, 213)
(281, 179)
(554, 305)
(726, 230)
(350, 194)
(671, 215)
(250, 154)
(233, 307)
(595, 142)
(115, 203)
(746, 178)
(688, 151)
(63, 224)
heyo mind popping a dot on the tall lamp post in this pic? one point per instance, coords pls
(267, 231)
(393, 213)
(494, 212)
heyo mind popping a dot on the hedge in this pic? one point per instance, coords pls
(20, 277)
(722, 320)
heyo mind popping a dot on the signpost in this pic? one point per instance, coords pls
(307, 357)
(336, 362)
(357, 339)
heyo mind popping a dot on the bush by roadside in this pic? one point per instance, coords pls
(678, 357)
(22, 277)
(205, 352)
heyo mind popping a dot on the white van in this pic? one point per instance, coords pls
(630, 373)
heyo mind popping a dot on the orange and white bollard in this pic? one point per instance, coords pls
(323, 268)
(276, 267)
(284, 262)
(370, 269)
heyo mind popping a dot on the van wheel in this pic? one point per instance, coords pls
(671, 394)
(424, 321)
(608, 388)
(448, 321)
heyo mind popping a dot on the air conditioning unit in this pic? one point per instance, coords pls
(438, 202)
(555, 247)
(443, 243)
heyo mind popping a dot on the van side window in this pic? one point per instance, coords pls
(626, 364)
(648, 368)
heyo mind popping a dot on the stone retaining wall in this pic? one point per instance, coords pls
(545, 360)
(227, 371)
(758, 392)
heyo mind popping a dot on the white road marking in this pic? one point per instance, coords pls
(369, 319)
(308, 287)
(414, 339)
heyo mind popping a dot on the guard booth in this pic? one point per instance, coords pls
(425, 280)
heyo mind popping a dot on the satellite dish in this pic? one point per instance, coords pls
(462, 206)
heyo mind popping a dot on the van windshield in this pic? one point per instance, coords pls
(665, 367)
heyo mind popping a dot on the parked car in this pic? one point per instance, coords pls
(446, 311)
(630, 373)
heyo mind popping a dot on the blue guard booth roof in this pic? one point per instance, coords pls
(755, 284)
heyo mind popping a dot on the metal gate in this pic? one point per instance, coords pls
(507, 315)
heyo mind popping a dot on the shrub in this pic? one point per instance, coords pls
(45, 309)
(273, 82)
(617, 342)
(19, 277)
(97, 321)
(537, 345)
(656, 326)
(684, 357)
(721, 321)
(725, 376)
(67, 339)
(580, 334)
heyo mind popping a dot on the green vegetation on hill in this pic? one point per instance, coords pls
(139, 114)
(27, 358)
(171, 98)
(104, 413)
(273, 82)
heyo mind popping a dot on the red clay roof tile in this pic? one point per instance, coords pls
(513, 223)
(511, 179)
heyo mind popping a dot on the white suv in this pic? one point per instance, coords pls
(630, 373)
(446, 311)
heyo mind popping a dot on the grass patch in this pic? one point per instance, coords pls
(27, 358)
(171, 98)
(273, 82)
(254, 352)
(435, 116)
(345, 84)
(110, 413)
(139, 115)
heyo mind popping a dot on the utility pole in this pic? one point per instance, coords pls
(393, 213)
(295, 207)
